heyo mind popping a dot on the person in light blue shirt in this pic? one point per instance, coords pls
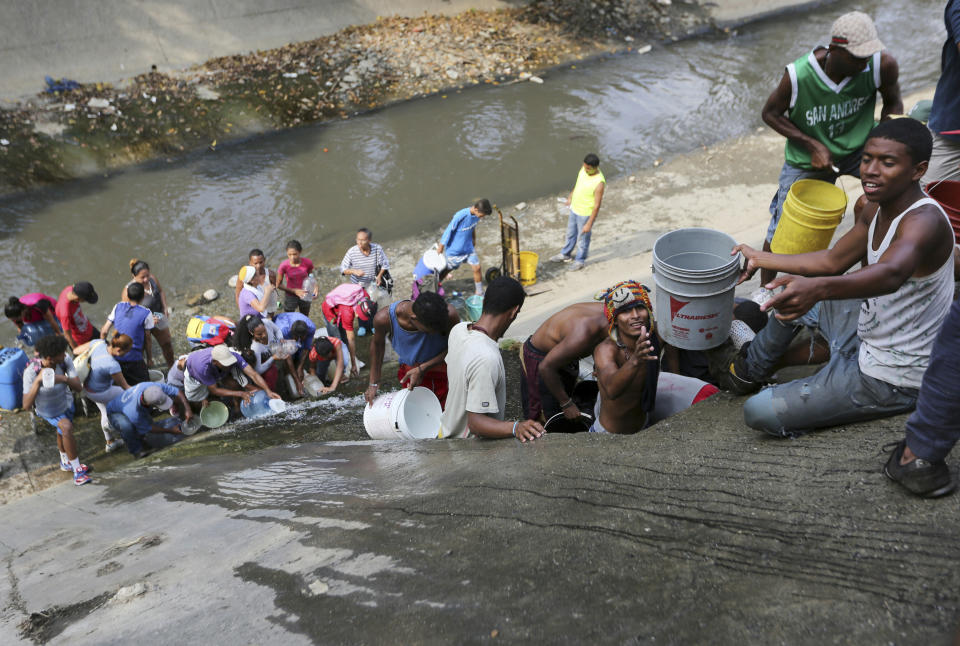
(130, 414)
(105, 380)
(459, 239)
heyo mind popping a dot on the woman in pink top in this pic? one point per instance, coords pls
(34, 308)
(296, 269)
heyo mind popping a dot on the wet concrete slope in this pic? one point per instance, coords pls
(697, 530)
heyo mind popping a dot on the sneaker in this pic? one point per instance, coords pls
(142, 454)
(576, 266)
(728, 371)
(740, 333)
(65, 466)
(113, 445)
(560, 258)
(81, 478)
(920, 477)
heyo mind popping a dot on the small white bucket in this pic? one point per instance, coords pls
(695, 276)
(404, 415)
(155, 375)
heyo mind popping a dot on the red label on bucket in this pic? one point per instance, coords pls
(675, 312)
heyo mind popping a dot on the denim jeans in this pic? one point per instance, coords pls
(574, 226)
(789, 174)
(134, 441)
(934, 427)
(837, 394)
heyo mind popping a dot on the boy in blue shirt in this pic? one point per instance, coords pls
(460, 237)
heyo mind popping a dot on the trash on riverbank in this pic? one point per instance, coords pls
(76, 129)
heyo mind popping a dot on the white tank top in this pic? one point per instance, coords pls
(897, 330)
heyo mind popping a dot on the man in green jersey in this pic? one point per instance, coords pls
(824, 106)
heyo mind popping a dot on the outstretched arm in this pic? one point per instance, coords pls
(917, 240)
(378, 346)
(486, 426)
(571, 348)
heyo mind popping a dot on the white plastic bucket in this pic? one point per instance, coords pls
(695, 277)
(403, 414)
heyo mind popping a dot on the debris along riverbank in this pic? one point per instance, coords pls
(75, 130)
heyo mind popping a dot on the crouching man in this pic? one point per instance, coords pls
(220, 372)
(478, 382)
(627, 362)
(418, 332)
(880, 320)
(130, 414)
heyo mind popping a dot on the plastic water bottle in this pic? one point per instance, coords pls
(47, 375)
(309, 283)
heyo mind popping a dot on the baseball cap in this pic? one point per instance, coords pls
(856, 33)
(222, 355)
(366, 310)
(85, 290)
(154, 396)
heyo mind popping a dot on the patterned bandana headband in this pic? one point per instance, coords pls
(622, 296)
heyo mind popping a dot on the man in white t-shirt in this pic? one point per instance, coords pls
(478, 385)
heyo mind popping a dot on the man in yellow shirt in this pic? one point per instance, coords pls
(584, 202)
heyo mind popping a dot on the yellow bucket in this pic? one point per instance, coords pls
(811, 213)
(528, 267)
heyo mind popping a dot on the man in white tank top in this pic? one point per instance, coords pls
(880, 320)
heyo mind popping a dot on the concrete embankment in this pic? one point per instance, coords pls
(697, 530)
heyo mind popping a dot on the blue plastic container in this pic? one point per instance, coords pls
(30, 333)
(12, 363)
(258, 407)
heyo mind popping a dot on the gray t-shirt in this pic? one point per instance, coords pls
(53, 401)
(478, 383)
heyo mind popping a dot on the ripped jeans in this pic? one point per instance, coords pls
(837, 394)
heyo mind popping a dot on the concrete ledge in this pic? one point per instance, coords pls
(696, 530)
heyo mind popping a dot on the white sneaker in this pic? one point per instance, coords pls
(740, 333)
(576, 266)
(560, 258)
(113, 445)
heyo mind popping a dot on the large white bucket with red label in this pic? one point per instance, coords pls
(695, 276)
(404, 415)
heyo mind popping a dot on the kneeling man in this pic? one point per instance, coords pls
(880, 320)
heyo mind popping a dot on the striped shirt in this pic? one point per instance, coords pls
(355, 259)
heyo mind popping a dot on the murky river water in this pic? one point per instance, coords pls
(404, 170)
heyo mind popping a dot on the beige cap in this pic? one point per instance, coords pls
(222, 355)
(856, 33)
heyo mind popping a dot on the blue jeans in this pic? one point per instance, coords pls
(837, 394)
(132, 438)
(789, 174)
(574, 226)
(934, 427)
